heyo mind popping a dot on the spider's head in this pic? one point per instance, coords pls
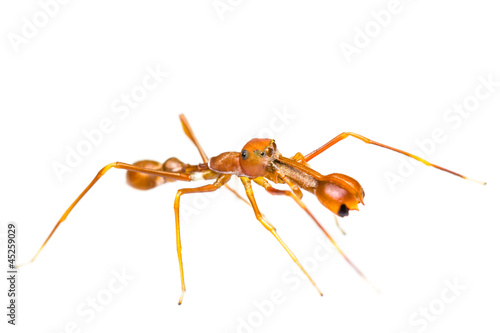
(256, 156)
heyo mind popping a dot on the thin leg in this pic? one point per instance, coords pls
(237, 194)
(220, 181)
(269, 188)
(248, 189)
(118, 165)
(303, 206)
(274, 191)
(344, 135)
(190, 134)
(338, 224)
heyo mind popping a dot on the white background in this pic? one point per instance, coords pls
(229, 76)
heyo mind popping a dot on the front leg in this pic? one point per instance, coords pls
(344, 135)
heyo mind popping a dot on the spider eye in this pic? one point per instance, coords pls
(262, 153)
(268, 151)
(244, 154)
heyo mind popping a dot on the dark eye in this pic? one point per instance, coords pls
(244, 154)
